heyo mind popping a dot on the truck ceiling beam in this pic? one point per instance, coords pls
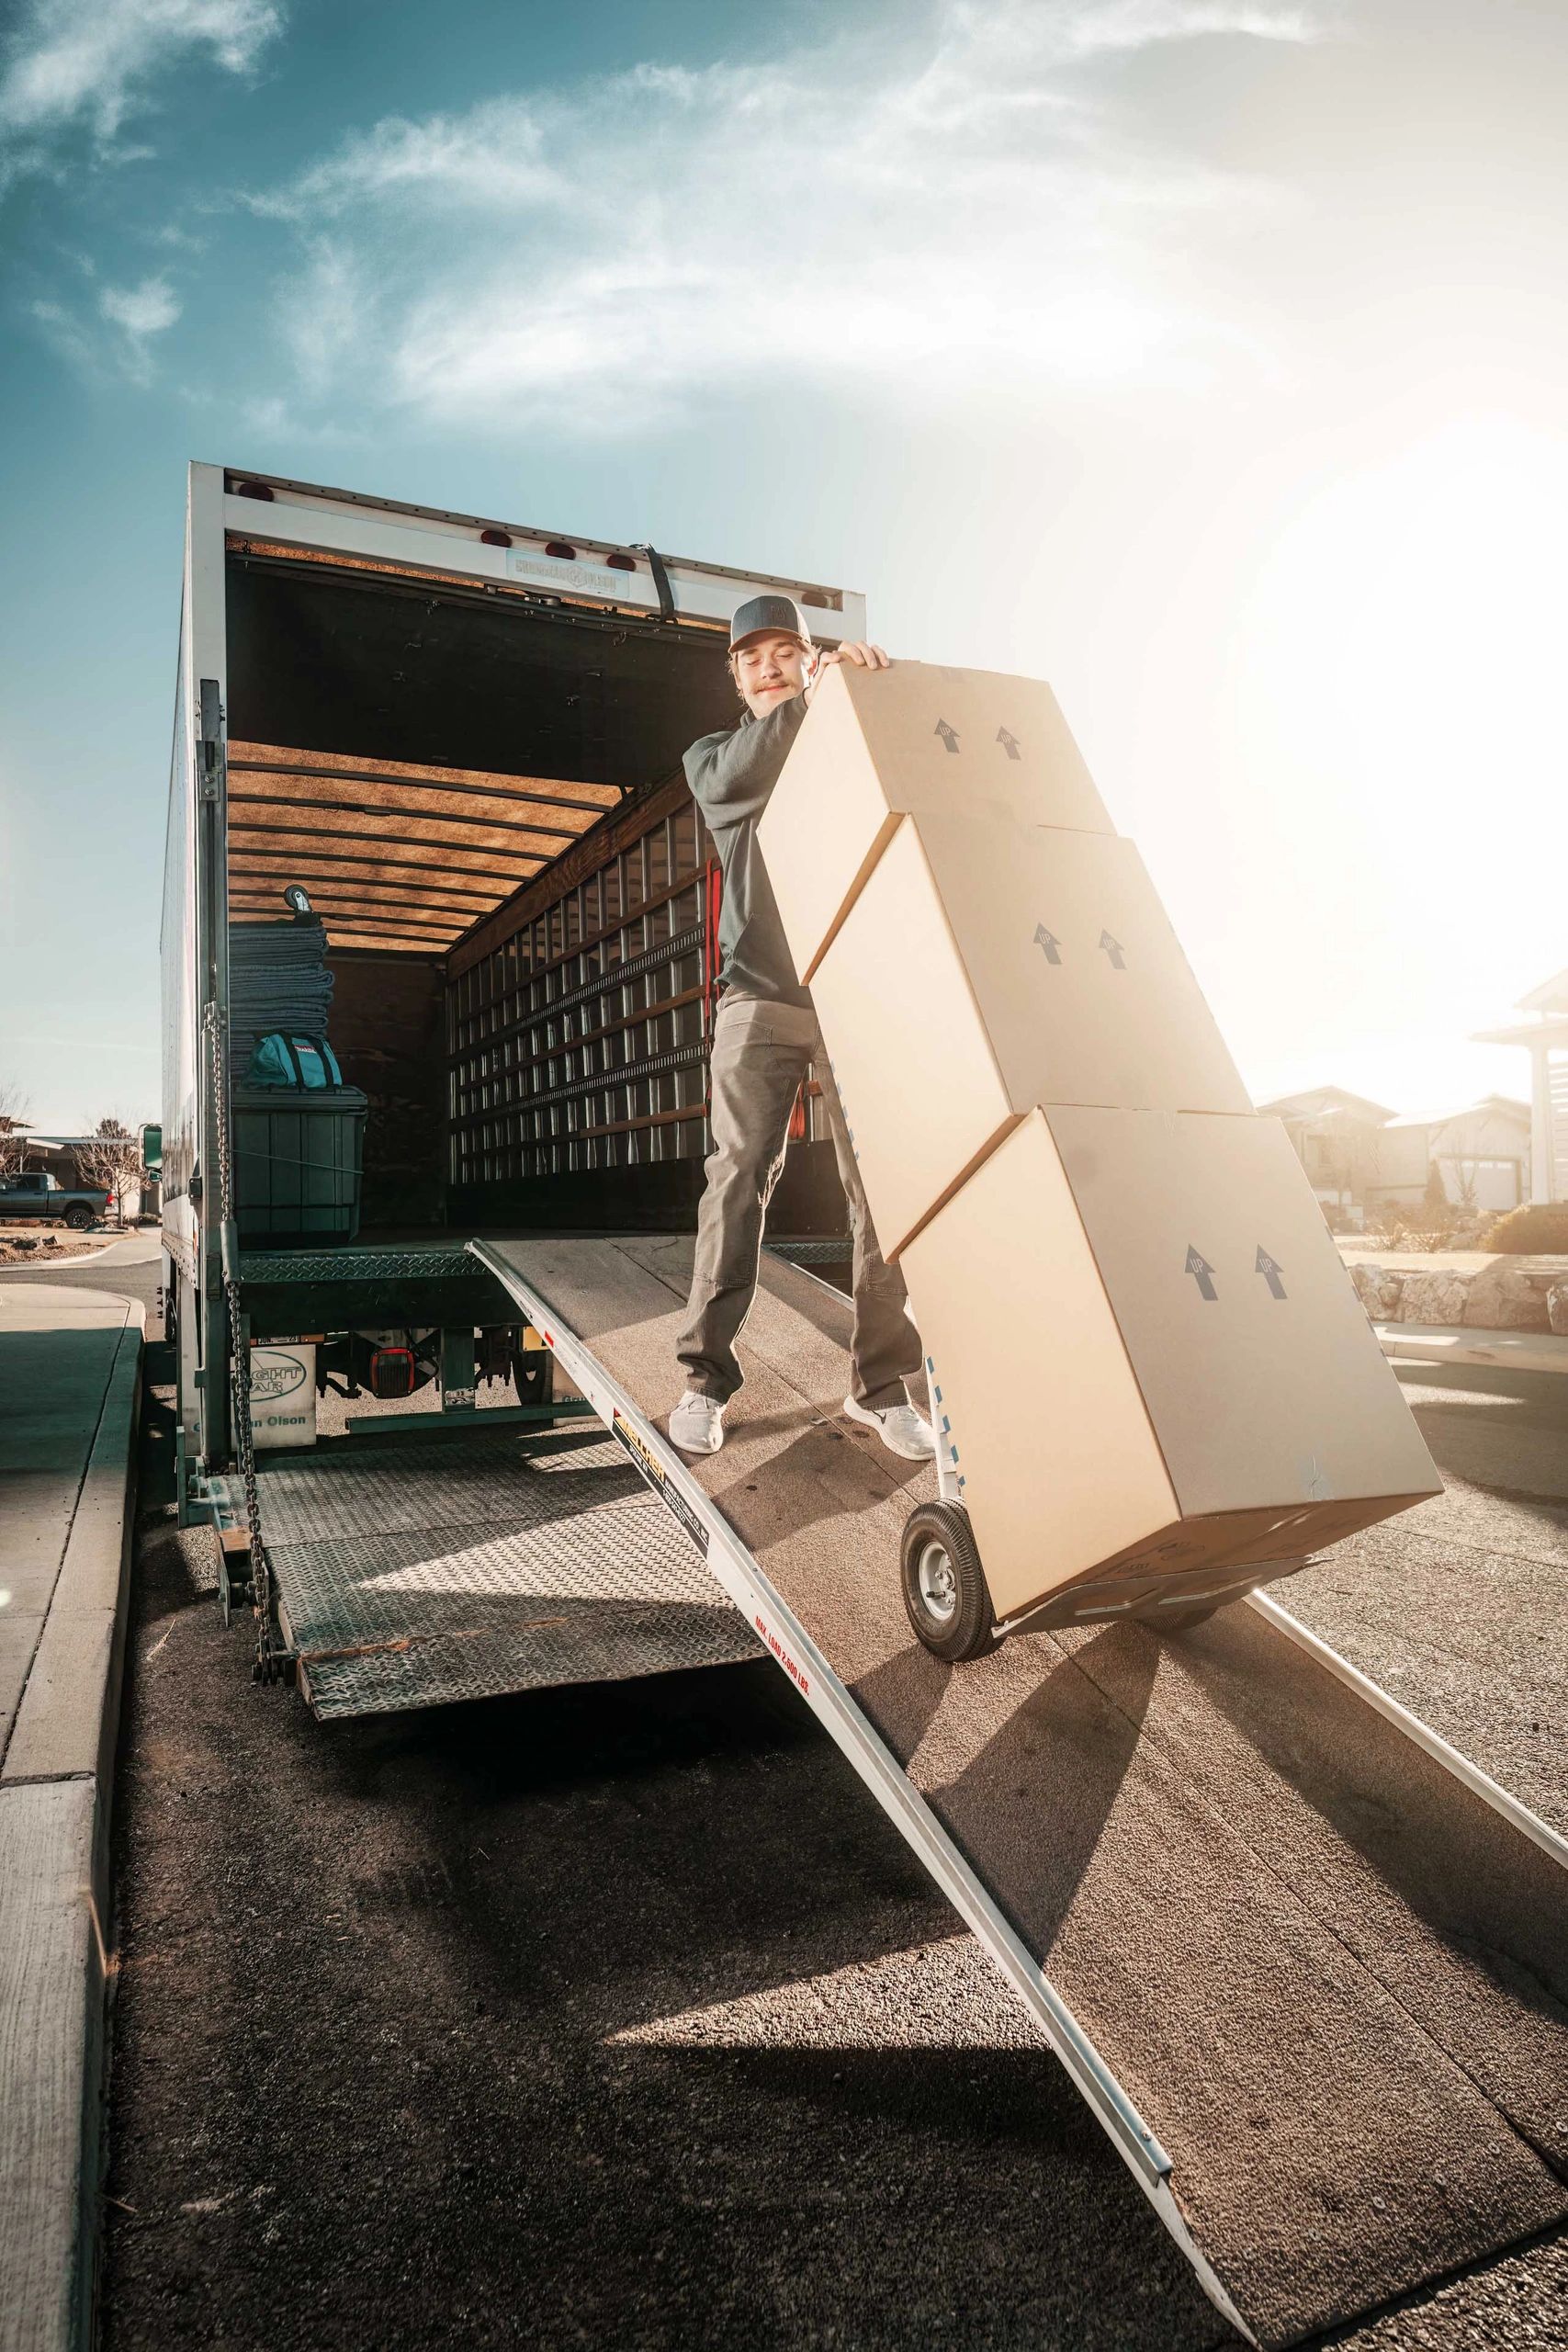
(379, 866)
(543, 792)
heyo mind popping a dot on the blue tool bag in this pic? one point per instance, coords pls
(305, 1062)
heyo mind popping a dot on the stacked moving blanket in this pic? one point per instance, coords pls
(277, 979)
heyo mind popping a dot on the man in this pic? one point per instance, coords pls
(765, 1034)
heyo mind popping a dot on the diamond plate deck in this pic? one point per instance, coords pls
(465, 1570)
(449, 1260)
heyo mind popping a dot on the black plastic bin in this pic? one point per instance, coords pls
(298, 1161)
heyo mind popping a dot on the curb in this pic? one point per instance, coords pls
(43, 1265)
(1469, 1344)
(56, 1787)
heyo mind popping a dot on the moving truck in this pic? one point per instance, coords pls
(435, 760)
(454, 743)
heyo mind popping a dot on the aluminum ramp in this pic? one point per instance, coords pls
(1314, 1983)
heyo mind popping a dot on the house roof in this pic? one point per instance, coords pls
(1324, 1102)
(1550, 997)
(1508, 1104)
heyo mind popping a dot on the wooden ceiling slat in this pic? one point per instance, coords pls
(314, 768)
(454, 856)
(244, 887)
(471, 837)
(378, 918)
(342, 763)
(461, 823)
(405, 886)
(344, 925)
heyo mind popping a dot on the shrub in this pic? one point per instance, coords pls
(1542, 1226)
(1412, 1224)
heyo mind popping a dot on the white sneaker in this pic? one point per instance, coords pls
(696, 1425)
(900, 1428)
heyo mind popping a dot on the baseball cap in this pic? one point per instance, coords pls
(759, 614)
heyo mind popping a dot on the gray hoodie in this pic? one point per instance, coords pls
(732, 775)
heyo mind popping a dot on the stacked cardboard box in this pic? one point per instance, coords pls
(1155, 1379)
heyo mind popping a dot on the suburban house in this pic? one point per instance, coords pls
(1545, 1038)
(1360, 1155)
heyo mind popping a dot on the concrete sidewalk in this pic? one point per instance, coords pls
(70, 1380)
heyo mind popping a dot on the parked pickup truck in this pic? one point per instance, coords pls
(33, 1194)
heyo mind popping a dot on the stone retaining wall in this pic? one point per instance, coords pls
(1507, 1295)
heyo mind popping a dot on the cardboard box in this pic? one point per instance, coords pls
(986, 967)
(1151, 1364)
(877, 745)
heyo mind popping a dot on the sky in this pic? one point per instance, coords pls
(1208, 358)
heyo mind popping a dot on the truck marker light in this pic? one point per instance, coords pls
(493, 538)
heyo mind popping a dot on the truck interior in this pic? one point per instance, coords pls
(481, 792)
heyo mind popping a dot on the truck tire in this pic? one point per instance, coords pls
(946, 1598)
(79, 1216)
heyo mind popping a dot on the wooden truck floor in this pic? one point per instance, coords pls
(1312, 1983)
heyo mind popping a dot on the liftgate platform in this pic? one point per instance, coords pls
(1307, 1965)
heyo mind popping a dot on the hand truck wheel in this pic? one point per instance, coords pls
(945, 1595)
(1177, 1621)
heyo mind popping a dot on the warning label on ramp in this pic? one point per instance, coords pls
(662, 1484)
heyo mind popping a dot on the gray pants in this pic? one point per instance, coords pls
(759, 1055)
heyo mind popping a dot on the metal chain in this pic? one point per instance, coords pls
(267, 1667)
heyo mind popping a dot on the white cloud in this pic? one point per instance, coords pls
(1142, 24)
(954, 204)
(141, 310)
(72, 62)
(64, 335)
(132, 316)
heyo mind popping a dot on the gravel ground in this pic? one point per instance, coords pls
(622, 2016)
(36, 1247)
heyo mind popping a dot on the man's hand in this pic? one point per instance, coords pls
(864, 657)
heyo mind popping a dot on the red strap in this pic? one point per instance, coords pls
(711, 951)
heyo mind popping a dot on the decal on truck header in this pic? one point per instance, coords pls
(660, 1480)
(586, 576)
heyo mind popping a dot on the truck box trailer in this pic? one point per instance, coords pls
(1305, 1964)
